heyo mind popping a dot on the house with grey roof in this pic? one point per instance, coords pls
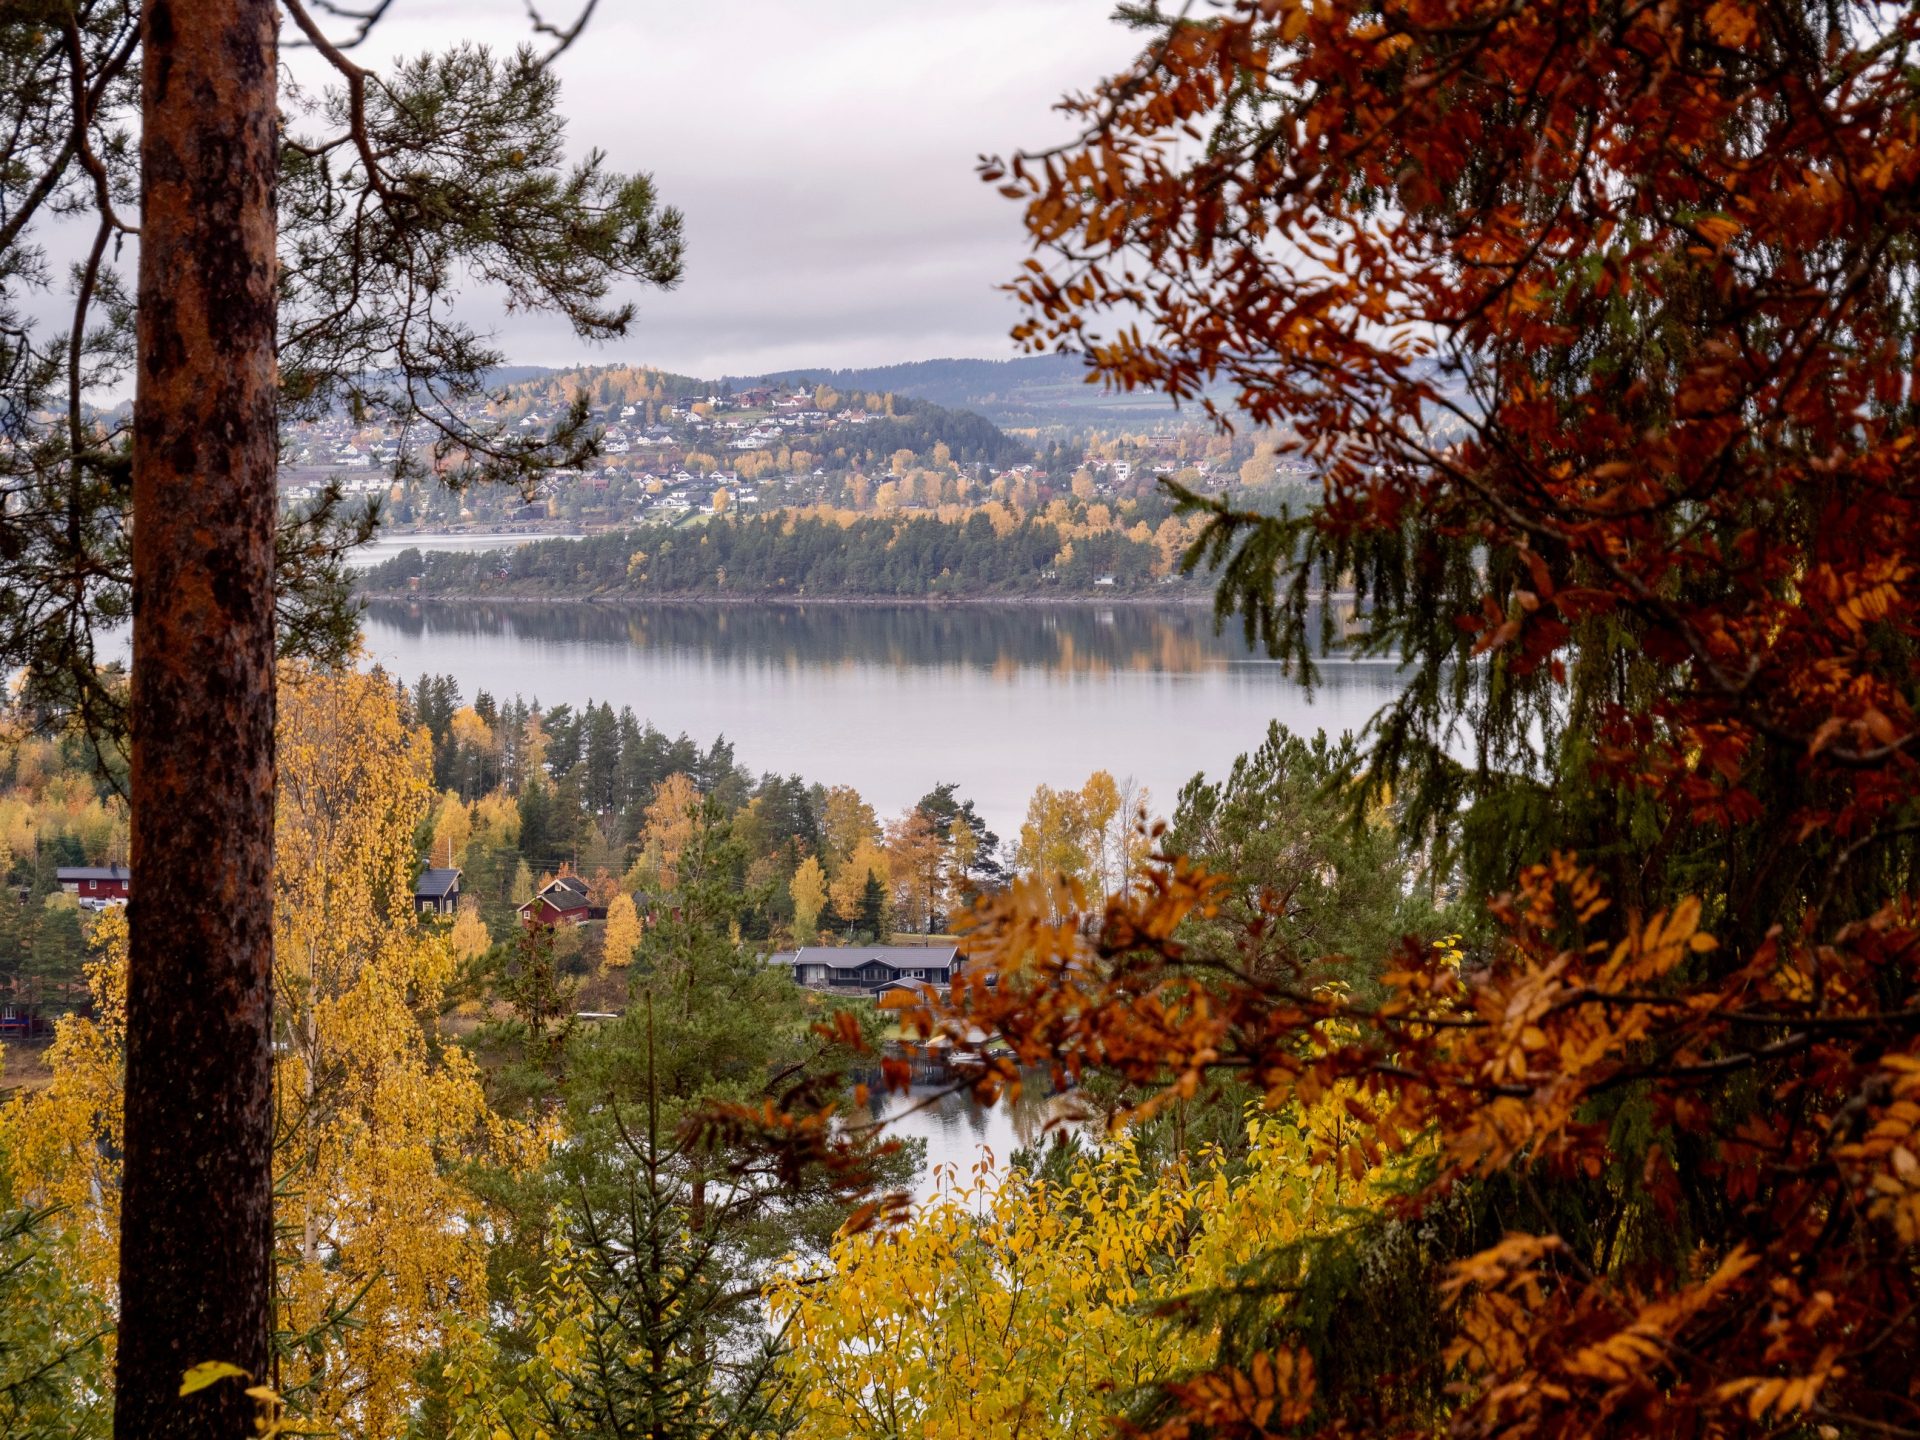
(437, 892)
(871, 969)
(562, 901)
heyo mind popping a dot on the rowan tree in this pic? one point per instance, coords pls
(916, 861)
(1594, 321)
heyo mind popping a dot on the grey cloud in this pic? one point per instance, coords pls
(824, 156)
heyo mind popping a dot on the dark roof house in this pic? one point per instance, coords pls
(437, 891)
(562, 901)
(872, 969)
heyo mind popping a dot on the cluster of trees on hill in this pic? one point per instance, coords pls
(796, 555)
(56, 810)
(510, 1219)
(523, 388)
(526, 792)
(920, 426)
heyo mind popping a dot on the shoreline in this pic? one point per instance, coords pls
(1183, 600)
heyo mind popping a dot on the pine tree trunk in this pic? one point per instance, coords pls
(197, 1211)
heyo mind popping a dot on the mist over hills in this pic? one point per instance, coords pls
(1031, 392)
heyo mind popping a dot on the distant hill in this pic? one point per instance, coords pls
(502, 375)
(909, 421)
(1033, 391)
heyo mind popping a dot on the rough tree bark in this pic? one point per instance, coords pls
(197, 1211)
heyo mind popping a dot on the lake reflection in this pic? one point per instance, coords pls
(895, 698)
(966, 1141)
(385, 547)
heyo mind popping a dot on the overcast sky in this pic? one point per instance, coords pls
(823, 153)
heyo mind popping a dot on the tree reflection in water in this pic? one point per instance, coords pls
(963, 1138)
(894, 699)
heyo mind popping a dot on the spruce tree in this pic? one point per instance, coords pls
(872, 918)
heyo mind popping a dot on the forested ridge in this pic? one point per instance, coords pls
(920, 425)
(800, 555)
(947, 381)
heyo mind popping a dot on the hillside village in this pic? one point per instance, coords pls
(673, 451)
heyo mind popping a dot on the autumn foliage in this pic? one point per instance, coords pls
(381, 1248)
(1596, 319)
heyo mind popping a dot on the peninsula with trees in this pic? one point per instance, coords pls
(792, 491)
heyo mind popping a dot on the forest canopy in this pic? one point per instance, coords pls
(1543, 1063)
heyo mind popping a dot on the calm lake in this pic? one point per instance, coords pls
(894, 699)
(385, 547)
(965, 1140)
